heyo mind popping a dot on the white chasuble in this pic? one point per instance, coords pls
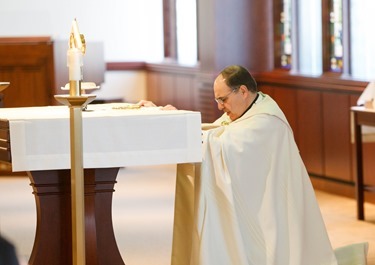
(250, 202)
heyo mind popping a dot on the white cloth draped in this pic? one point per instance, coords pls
(112, 137)
(253, 200)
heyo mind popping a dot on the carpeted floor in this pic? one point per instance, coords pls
(143, 216)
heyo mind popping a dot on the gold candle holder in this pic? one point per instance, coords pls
(76, 102)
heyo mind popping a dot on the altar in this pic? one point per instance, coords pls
(36, 140)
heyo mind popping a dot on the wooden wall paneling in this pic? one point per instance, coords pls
(205, 102)
(286, 99)
(266, 89)
(185, 94)
(336, 128)
(167, 89)
(310, 130)
(172, 84)
(153, 87)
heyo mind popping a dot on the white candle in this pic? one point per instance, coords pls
(75, 63)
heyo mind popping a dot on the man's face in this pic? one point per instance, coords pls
(231, 102)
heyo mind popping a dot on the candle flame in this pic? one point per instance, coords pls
(77, 40)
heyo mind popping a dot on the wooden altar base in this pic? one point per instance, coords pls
(53, 239)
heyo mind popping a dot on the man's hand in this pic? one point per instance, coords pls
(169, 107)
(146, 103)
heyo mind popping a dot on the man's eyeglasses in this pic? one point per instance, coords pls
(221, 100)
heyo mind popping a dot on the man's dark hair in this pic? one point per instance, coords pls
(236, 75)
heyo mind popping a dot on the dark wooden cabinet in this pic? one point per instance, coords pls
(336, 135)
(27, 63)
(309, 136)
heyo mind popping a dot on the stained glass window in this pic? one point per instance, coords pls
(285, 34)
(335, 28)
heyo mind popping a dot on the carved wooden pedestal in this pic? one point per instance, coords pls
(53, 239)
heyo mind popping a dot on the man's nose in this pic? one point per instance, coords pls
(220, 106)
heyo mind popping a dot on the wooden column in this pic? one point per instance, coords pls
(231, 32)
(235, 32)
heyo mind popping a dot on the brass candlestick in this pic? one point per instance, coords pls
(76, 102)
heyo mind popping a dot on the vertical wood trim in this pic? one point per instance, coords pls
(169, 26)
(346, 37)
(326, 7)
(277, 8)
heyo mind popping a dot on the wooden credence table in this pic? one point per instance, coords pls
(361, 116)
(36, 140)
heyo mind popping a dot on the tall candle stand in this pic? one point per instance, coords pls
(76, 102)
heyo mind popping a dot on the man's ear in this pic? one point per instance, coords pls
(243, 89)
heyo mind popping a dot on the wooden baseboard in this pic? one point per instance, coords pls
(339, 188)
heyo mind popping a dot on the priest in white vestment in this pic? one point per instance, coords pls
(250, 201)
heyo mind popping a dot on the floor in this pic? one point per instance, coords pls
(143, 216)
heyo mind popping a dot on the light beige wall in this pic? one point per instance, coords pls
(130, 86)
(130, 30)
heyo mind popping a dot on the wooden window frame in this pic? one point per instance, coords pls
(170, 31)
(326, 67)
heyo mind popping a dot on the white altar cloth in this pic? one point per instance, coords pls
(40, 137)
